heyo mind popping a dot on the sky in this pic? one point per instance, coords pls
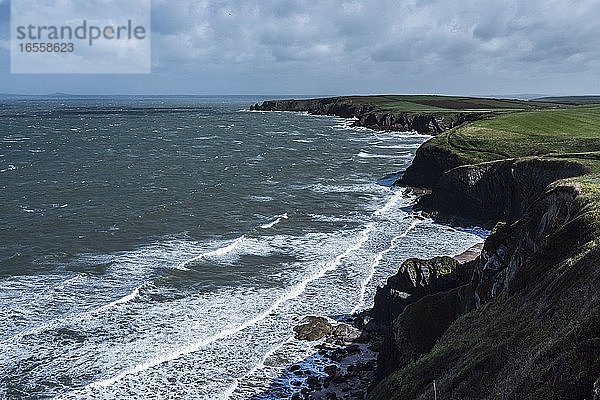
(340, 47)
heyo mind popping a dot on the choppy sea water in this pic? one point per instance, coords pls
(165, 248)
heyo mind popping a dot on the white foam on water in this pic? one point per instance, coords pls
(375, 263)
(328, 218)
(232, 334)
(363, 154)
(273, 223)
(389, 205)
(398, 146)
(125, 299)
(371, 188)
(75, 317)
(294, 292)
(227, 393)
(260, 199)
(218, 252)
(11, 167)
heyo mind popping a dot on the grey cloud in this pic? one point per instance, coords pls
(416, 44)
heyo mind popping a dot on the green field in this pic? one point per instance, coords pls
(572, 132)
(549, 127)
(425, 103)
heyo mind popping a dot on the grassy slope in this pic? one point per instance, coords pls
(423, 103)
(561, 133)
(523, 339)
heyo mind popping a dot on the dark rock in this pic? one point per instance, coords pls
(345, 333)
(339, 354)
(532, 331)
(313, 383)
(294, 367)
(313, 328)
(415, 279)
(362, 320)
(496, 191)
(331, 370)
(352, 349)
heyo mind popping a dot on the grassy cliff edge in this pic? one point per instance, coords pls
(423, 114)
(527, 325)
(520, 321)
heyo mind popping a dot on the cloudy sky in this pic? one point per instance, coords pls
(320, 47)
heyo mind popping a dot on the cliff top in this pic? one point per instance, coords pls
(435, 103)
(572, 132)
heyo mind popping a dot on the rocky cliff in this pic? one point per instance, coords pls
(524, 325)
(498, 190)
(522, 320)
(370, 116)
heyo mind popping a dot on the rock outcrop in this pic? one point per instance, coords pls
(497, 190)
(531, 329)
(404, 308)
(525, 322)
(369, 116)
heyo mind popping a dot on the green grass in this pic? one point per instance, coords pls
(496, 350)
(572, 132)
(429, 103)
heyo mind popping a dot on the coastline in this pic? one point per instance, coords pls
(368, 116)
(347, 350)
(544, 212)
(344, 365)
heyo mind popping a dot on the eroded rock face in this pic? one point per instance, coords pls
(404, 311)
(496, 191)
(510, 246)
(535, 320)
(415, 279)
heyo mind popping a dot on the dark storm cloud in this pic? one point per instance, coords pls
(505, 32)
(371, 46)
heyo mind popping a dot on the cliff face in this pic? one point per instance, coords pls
(526, 326)
(417, 281)
(498, 190)
(525, 322)
(369, 116)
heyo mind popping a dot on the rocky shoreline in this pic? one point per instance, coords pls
(519, 320)
(369, 116)
(345, 356)
(352, 354)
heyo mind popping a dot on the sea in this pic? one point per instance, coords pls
(165, 247)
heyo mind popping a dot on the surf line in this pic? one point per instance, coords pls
(295, 292)
(69, 319)
(375, 263)
(221, 251)
(258, 366)
(390, 204)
